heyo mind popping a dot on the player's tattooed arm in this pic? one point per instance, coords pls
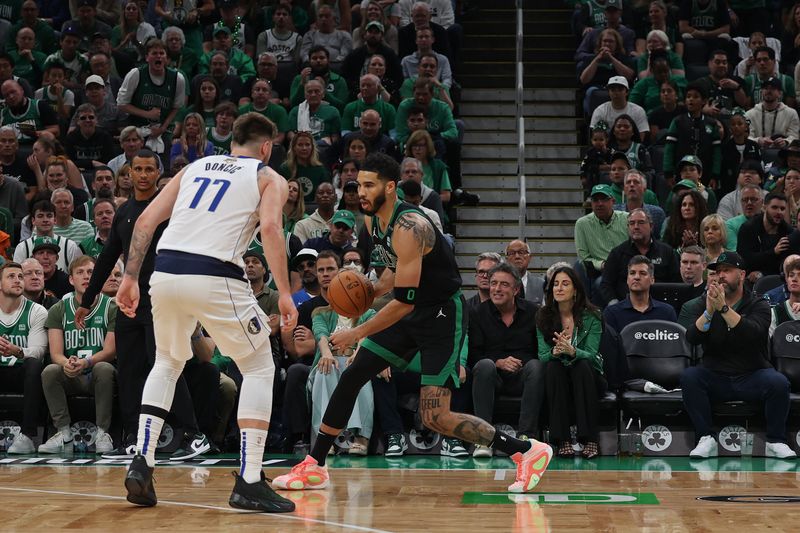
(420, 227)
(140, 243)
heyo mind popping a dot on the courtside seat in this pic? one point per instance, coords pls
(785, 347)
(656, 351)
(674, 294)
(767, 283)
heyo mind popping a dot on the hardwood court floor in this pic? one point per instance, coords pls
(423, 495)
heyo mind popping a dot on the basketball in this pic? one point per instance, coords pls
(350, 293)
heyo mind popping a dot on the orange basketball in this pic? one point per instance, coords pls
(350, 293)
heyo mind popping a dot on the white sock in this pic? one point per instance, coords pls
(252, 451)
(147, 440)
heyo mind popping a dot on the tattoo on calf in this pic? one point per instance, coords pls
(462, 426)
(473, 429)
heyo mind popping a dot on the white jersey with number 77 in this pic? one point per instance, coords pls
(216, 211)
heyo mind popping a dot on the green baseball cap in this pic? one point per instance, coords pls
(46, 243)
(690, 160)
(684, 184)
(602, 189)
(345, 217)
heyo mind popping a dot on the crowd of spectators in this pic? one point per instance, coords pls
(87, 85)
(700, 191)
(690, 178)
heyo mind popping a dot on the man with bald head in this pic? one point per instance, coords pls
(28, 60)
(518, 255)
(370, 124)
(368, 99)
(29, 117)
(46, 40)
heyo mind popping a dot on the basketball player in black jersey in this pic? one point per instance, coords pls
(427, 315)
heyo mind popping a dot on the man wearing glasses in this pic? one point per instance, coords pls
(518, 254)
(765, 70)
(89, 146)
(483, 264)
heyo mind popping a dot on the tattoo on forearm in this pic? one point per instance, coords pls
(421, 229)
(140, 243)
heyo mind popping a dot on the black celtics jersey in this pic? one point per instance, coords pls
(440, 278)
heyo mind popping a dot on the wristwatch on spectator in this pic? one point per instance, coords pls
(724, 309)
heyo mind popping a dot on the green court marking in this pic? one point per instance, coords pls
(561, 498)
(664, 466)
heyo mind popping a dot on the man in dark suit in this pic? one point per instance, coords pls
(518, 254)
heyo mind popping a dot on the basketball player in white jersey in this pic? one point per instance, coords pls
(214, 206)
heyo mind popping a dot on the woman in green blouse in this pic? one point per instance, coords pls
(328, 365)
(568, 330)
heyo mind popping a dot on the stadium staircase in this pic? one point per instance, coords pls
(552, 153)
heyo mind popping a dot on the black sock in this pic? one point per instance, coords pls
(321, 447)
(508, 444)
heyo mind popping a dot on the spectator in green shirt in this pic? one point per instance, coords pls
(303, 164)
(646, 92)
(369, 98)
(260, 94)
(596, 234)
(440, 118)
(336, 91)
(103, 210)
(765, 69)
(46, 41)
(315, 116)
(27, 61)
(239, 63)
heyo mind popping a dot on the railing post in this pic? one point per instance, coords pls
(520, 116)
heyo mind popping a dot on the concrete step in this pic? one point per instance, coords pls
(510, 213)
(478, 38)
(534, 52)
(531, 138)
(508, 230)
(508, 151)
(541, 80)
(509, 67)
(539, 196)
(533, 109)
(532, 182)
(532, 167)
(568, 123)
(493, 124)
(532, 124)
(509, 95)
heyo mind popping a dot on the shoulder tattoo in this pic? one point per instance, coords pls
(421, 229)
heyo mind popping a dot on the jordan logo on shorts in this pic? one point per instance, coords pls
(441, 314)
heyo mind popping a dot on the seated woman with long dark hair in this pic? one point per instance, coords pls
(682, 227)
(568, 330)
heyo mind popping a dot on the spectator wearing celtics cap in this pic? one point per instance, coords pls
(733, 329)
(339, 235)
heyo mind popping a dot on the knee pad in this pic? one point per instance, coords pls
(167, 367)
(258, 373)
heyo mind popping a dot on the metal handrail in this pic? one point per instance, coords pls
(520, 120)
